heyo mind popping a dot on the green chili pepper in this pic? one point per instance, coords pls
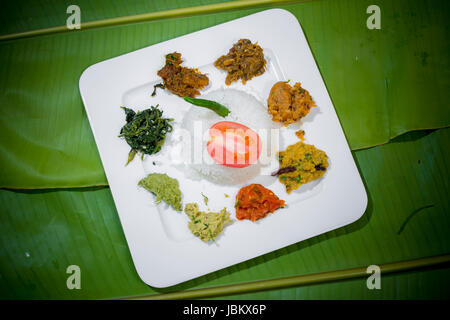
(212, 105)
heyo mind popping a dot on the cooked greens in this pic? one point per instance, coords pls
(205, 199)
(145, 131)
(159, 85)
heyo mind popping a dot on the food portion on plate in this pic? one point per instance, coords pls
(206, 225)
(288, 104)
(255, 202)
(165, 189)
(232, 144)
(300, 134)
(243, 61)
(235, 131)
(301, 163)
(145, 131)
(182, 81)
(209, 104)
(234, 148)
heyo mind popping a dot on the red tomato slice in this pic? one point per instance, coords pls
(233, 144)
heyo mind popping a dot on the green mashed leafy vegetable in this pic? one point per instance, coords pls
(206, 225)
(164, 188)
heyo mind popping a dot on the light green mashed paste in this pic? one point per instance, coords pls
(164, 188)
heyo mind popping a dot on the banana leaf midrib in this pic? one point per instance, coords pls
(150, 16)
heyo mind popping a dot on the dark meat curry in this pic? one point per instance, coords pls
(182, 81)
(243, 61)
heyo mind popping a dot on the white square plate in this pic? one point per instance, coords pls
(163, 250)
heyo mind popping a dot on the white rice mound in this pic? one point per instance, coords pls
(244, 109)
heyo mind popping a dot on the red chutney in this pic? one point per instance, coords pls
(254, 202)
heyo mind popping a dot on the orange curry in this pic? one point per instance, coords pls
(254, 202)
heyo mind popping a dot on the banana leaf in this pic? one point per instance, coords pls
(28, 15)
(382, 82)
(42, 232)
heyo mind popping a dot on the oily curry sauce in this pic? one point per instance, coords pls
(254, 202)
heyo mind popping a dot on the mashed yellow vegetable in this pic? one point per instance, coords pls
(206, 225)
(301, 163)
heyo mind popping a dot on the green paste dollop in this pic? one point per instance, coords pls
(164, 188)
